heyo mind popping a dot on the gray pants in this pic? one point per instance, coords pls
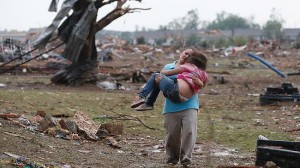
(181, 134)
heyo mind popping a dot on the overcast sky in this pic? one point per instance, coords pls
(25, 14)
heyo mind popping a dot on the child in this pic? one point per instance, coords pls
(183, 87)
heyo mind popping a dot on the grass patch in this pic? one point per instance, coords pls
(228, 118)
(233, 123)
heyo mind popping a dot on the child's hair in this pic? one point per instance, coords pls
(199, 59)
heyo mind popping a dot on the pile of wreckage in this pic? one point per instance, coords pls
(81, 127)
(120, 61)
(277, 153)
(285, 93)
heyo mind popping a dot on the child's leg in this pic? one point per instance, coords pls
(147, 89)
(149, 103)
(169, 87)
(149, 86)
(151, 99)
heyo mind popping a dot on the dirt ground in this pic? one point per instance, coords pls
(136, 150)
(140, 151)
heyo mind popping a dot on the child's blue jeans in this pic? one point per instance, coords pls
(168, 86)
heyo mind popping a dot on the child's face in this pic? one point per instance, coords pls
(184, 55)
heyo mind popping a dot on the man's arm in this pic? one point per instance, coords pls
(179, 70)
(171, 72)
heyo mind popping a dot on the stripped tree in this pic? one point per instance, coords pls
(78, 33)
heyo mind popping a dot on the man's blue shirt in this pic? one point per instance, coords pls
(170, 107)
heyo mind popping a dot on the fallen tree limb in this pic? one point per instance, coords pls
(9, 115)
(130, 117)
(293, 130)
(15, 135)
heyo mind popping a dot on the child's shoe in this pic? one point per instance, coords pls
(144, 107)
(138, 101)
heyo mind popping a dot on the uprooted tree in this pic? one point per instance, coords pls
(78, 33)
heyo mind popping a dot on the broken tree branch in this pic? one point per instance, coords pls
(293, 130)
(130, 117)
(16, 135)
(135, 118)
(100, 3)
(9, 115)
(115, 14)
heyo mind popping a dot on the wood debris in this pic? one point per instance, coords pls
(9, 115)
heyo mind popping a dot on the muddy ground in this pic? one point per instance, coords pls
(238, 93)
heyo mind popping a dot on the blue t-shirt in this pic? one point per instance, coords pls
(170, 107)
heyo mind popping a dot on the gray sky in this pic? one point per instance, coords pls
(25, 14)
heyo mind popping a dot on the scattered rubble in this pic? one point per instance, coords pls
(134, 64)
(286, 92)
(273, 153)
(80, 127)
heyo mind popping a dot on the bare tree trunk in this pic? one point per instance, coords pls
(85, 71)
(85, 68)
(80, 47)
(77, 74)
